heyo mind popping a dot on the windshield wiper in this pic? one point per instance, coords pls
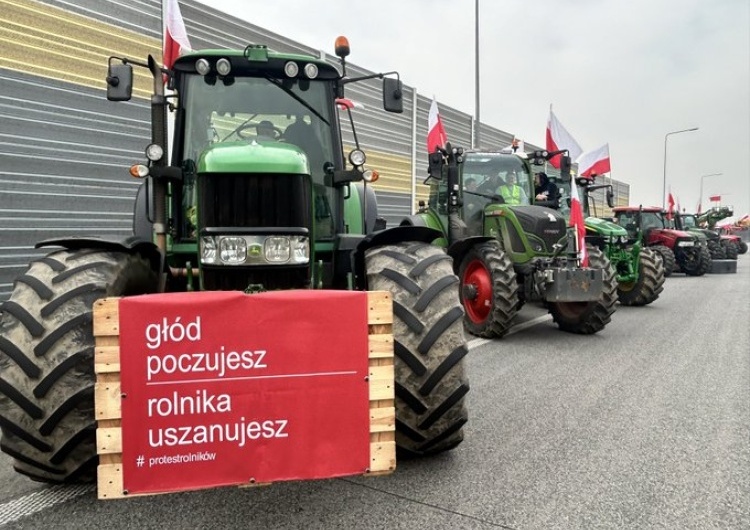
(279, 84)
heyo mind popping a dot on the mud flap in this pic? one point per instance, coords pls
(572, 285)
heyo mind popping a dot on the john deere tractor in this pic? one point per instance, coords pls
(508, 253)
(236, 207)
(680, 251)
(639, 270)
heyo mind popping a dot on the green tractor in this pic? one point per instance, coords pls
(506, 254)
(235, 208)
(732, 244)
(639, 270)
(692, 224)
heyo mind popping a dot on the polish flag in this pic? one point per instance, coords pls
(436, 136)
(345, 103)
(558, 138)
(516, 146)
(175, 36)
(714, 198)
(594, 162)
(576, 220)
(670, 206)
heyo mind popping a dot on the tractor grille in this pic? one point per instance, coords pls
(256, 201)
(266, 201)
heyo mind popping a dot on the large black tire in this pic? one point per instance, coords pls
(47, 359)
(667, 257)
(716, 250)
(650, 282)
(488, 290)
(731, 249)
(430, 345)
(693, 261)
(587, 318)
(743, 247)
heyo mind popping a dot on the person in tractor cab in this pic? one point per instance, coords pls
(545, 191)
(266, 132)
(511, 192)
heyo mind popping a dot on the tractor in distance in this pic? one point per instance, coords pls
(233, 209)
(639, 270)
(680, 251)
(731, 243)
(717, 248)
(506, 250)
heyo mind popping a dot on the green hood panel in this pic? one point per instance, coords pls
(604, 227)
(253, 157)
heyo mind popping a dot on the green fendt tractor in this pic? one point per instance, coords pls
(639, 270)
(690, 223)
(506, 250)
(235, 208)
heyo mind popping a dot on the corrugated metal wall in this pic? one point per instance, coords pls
(65, 150)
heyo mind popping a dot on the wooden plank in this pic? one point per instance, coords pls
(109, 440)
(106, 320)
(107, 401)
(107, 359)
(109, 484)
(381, 345)
(380, 307)
(381, 382)
(382, 458)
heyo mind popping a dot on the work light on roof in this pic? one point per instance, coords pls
(311, 70)
(223, 66)
(154, 152)
(202, 66)
(291, 69)
(357, 157)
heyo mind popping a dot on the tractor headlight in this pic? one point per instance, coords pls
(311, 70)
(223, 66)
(357, 157)
(255, 250)
(685, 243)
(154, 152)
(202, 66)
(291, 69)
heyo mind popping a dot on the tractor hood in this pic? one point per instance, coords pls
(704, 233)
(604, 227)
(253, 157)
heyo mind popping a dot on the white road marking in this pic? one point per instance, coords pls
(473, 343)
(41, 500)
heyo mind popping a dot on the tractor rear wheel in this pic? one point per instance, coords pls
(47, 359)
(667, 256)
(742, 247)
(731, 249)
(430, 346)
(587, 318)
(716, 250)
(650, 282)
(488, 290)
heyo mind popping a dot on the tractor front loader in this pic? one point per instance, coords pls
(233, 210)
(507, 254)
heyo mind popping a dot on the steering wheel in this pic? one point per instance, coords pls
(249, 131)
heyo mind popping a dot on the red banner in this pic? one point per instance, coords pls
(222, 388)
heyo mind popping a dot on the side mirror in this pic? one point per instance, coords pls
(565, 168)
(610, 198)
(393, 95)
(119, 82)
(435, 165)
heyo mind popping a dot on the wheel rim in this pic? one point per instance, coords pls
(478, 280)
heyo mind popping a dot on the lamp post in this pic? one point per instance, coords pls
(700, 200)
(664, 187)
(477, 124)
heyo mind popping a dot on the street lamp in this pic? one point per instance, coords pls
(477, 125)
(700, 200)
(664, 187)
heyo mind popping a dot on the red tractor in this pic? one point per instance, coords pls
(680, 251)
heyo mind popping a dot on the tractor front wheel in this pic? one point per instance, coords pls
(731, 249)
(47, 359)
(587, 318)
(650, 282)
(430, 346)
(488, 290)
(667, 257)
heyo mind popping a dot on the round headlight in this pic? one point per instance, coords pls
(291, 69)
(370, 176)
(154, 152)
(357, 157)
(202, 66)
(223, 66)
(311, 70)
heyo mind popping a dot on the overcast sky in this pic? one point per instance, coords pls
(619, 72)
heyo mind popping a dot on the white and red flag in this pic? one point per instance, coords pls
(594, 162)
(558, 138)
(576, 221)
(670, 206)
(346, 103)
(714, 198)
(436, 136)
(175, 36)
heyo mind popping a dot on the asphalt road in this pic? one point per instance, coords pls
(643, 425)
